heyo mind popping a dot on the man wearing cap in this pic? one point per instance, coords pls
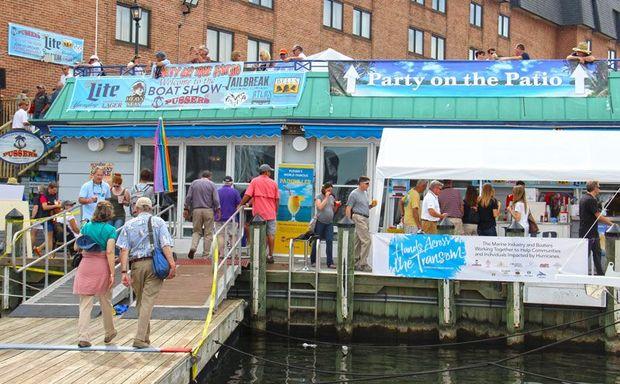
(160, 63)
(582, 54)
(96, 67)
(229, 201)
(41, 102)
(137, 263)
(202, 202)
(265, 196)
(283, 54)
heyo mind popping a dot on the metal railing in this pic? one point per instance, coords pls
(109, 70)
(23, 269)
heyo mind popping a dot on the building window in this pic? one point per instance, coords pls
(421, 2)
(611, 56)
(220, 44)
(416, 41)
(199, 158)
(254, 48)
(471, 55)
(342, 165)
(589, 43)
(125, 26)
(439, 5)
(332, 14)
(475, 14)
(146, 159)
(438, 47)
(249, 157)
(263, 3)
(361, 23)
(503, 26)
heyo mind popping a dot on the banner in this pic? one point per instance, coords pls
(523, 259)
(296, 184)
(37, 44)
(201, 86)
(21, 147)
(515, 78)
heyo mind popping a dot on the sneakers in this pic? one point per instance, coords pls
(331, 266)
(191, 253)
(270, 260)
(140, 344)
(84, 344)
(110, 337)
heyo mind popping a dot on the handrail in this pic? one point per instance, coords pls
(87, 70)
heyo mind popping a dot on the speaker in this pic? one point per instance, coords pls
(2, 78)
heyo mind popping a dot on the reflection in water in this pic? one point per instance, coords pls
(566, 362)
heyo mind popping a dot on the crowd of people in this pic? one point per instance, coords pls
(580, 53)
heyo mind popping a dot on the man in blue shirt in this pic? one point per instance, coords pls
(91, 192)
(229, 200)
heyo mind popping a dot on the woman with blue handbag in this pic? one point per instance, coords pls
(95, 273)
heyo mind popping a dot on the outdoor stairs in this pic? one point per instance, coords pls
(58, 300)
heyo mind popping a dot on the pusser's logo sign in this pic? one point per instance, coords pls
(288, 85)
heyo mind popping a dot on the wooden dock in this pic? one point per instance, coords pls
(110, 367)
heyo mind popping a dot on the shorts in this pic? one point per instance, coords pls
(271, 227)
(49, 225)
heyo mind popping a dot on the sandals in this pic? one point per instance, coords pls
(270, 260)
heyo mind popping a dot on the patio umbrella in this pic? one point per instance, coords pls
(162, 174)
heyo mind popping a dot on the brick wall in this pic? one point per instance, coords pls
(289, 22)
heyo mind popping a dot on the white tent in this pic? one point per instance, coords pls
(495, 154)
(326, 55)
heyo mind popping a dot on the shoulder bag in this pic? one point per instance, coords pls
(161, 267)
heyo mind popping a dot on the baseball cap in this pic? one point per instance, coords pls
(265, 168)
(283, 51)
(94, 57)
(228, 179)
(144, 202)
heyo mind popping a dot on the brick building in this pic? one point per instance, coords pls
(413, 29)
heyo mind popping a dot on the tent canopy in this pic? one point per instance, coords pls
(326, 55)
(496, 154)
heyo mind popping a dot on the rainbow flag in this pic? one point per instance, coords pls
(162, 173)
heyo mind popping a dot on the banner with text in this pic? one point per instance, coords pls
(201, 86)
(296, 184)
(514, 78)
(524, 259)
(37, 44)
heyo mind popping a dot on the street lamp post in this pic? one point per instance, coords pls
(136, 15)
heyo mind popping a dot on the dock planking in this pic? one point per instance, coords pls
(109, 367)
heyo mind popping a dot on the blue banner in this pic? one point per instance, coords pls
(37, 44)
(223, 85)
(515, 78)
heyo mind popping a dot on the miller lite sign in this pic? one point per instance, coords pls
(21, 147)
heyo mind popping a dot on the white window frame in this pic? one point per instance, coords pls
(475, 14)
(435, 43)
(611, 55)
(421, 2)
(331, 22)
(412, 47)
(215, 53)
(262, 3)
(471, 55)
(358, 25)
(144, 35)
(439, 6)
(503, 26)
(258, 43)
(371, 160)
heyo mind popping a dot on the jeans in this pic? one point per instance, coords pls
(325, 232)
(487, 232)
(594, 247)
(118, 222)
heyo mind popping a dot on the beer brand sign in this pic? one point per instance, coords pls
(21, 147)
(37, 44)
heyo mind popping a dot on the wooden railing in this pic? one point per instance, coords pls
(8, 107)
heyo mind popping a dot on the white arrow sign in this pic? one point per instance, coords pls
(351, 76)
(580, 74)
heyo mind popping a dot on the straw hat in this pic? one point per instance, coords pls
(582, 47)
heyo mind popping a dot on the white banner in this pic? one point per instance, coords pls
(523, 259)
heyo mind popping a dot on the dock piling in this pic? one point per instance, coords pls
(514, 296)
(258, 240)
(612, 334)
(345, 280)
(445, 295)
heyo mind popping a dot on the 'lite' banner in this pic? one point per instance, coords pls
(37, 44)
(516, 78)
(523, 259)
(203, 86)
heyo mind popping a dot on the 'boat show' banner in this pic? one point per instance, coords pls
(523, 259)
(37, 44)
(200, 86)
(511, 78)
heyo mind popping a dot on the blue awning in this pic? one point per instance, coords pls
(206, 131)
(343, 131)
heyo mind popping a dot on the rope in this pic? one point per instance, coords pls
(533, 374)
(425, 346)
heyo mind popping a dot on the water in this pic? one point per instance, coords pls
(570, 363)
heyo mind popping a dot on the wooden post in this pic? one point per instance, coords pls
(258, 301)
(13, 222)
(612, 333)
(514, 297)
(445, 295)
(345, 282)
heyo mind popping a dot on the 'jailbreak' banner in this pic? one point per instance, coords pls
(523, 259)
(514, 78)
(200, 86)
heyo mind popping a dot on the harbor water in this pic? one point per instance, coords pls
(273, 359)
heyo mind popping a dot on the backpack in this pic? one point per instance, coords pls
(137, 193)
